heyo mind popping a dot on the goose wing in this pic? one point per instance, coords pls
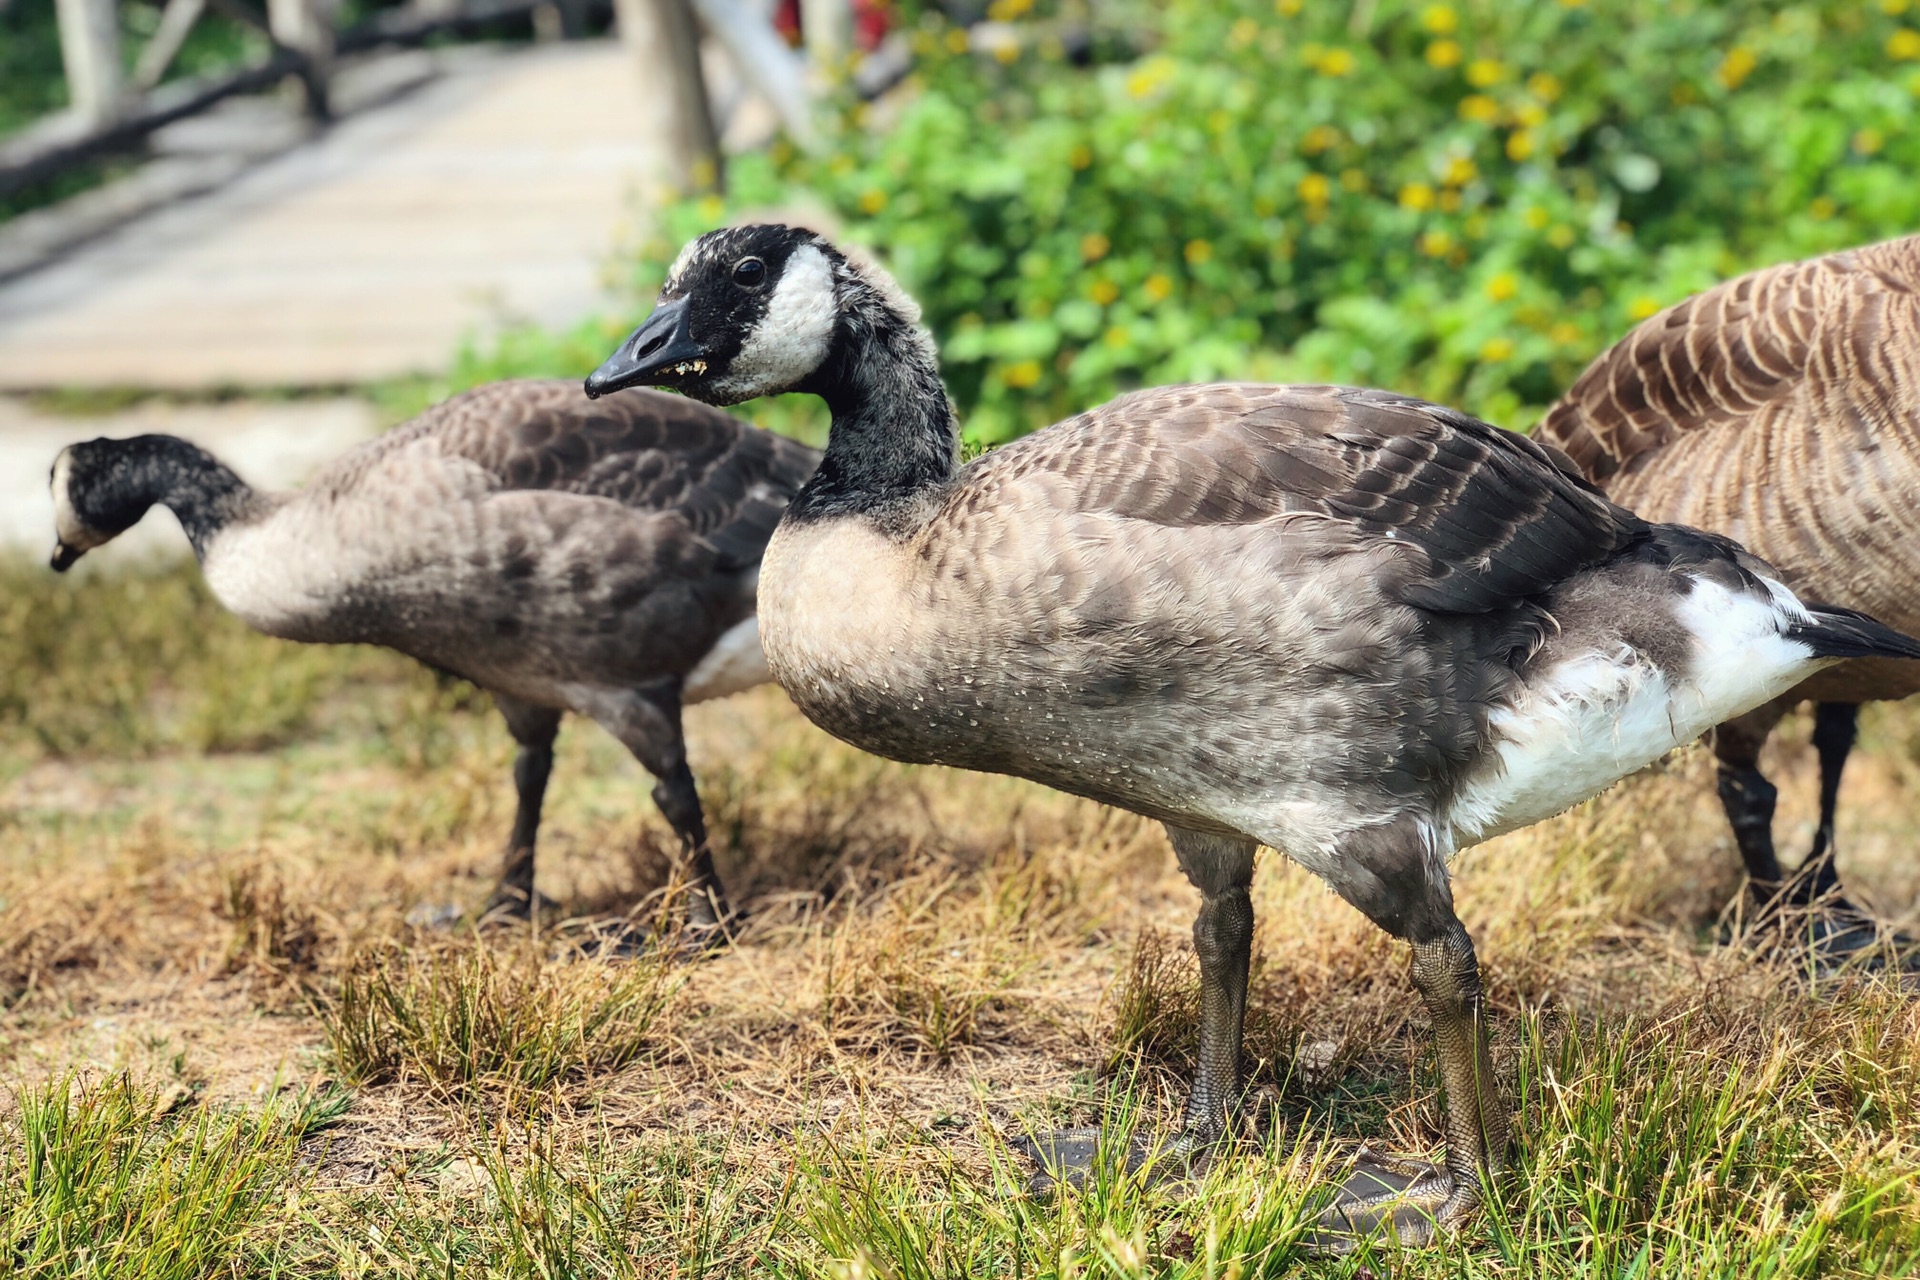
(1483, 518)
(645, 450)
(1806, 340)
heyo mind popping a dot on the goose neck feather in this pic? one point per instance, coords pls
(894, 439)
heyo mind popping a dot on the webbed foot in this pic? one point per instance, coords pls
(509, 904)
(1393, 1199)
(1836, 935)
(1075, 1157)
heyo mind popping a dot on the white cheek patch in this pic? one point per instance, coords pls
(67, 525)
(791, 339)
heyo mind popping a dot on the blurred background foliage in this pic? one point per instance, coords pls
(1462, 199)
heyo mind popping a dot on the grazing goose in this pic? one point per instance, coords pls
(561, 554)
(1360, 629)
(1783, 409)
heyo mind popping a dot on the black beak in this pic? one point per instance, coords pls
(659, 345)
(64, 556)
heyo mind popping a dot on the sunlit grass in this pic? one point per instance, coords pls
(936, 962)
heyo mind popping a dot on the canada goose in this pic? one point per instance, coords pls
(1780, 409)
(561, 554)
(1360, 629)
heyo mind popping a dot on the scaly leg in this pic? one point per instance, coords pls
(534, 728)
(1221, 867)
(1391, 873)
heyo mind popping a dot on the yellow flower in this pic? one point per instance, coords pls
(1444, 54)
(1417, 196)
(1503, 286)
(1459, 172)
(1519, 145)
(1561, 237)
(1642, 307)
(1094, 246)
(1440, 19)
(1318, 139)
(1023, 374)
(872, 200)
(1868, 141)
(1479, 108)
(1199, 252)
(1288, 8)
(1530, 114)
(1243, 33)
(1081, 156)
(1736, 66)
(1484, 72)
(1544, 85)
(711, 208)
(1496, 349)
(957, 40)
(1354, 180)
(1449, 200)
(1573, 4)
(1536, 217)
(1103, 291)
(1116, 337)
(1565, 333)
(1008, 10)
(1904, 44)
(1822, 208)
(1893, 7)
(1315, 189)
(1157, 287)
(1219, 120)
(1436, 244)
(1335, 62)
(1148, 76)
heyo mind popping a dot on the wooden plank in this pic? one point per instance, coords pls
(766, 64)
(662, 34)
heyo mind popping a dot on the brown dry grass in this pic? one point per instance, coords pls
(933, 958)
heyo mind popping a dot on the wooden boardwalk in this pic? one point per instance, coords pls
(499, 191)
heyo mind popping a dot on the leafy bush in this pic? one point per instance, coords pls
(1462, 199)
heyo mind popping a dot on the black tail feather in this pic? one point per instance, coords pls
(1847, 633)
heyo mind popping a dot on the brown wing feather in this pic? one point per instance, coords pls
(1720, 359)
(645, 449)
(1488, 518)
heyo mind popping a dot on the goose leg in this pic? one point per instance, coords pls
(1221, 868)
(1837, 928)
(534, 728)
(1388, 873)
(1748, 797)
(648, 725)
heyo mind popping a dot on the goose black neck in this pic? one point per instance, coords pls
(893, 437)
(197, 487)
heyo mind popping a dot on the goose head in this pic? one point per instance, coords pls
(746, 311)
(93, 499)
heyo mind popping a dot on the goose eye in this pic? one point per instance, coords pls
(749, 273)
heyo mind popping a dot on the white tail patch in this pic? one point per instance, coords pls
(1591, 719)
(734, 664)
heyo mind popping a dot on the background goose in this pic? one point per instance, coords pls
(1783, 409)
(1358, 628)
(563, 554)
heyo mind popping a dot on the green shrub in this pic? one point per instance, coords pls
(1461, 200)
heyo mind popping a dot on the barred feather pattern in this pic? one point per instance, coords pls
(1781, 409)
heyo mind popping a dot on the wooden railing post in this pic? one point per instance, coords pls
(90, 51)
(661, 36)
(827, 26)
(306, 26)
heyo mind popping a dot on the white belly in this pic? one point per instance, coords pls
(734, 664)
(1586, 722)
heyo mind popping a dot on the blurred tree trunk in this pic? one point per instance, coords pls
(90, 52)
(306, 26)
(664, 42)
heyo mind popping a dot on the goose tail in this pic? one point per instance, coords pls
(1834, 632)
